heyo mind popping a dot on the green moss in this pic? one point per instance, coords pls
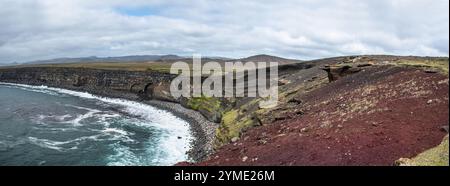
(231, 127)
(230, 117)
(210, 104)
(437, 156)
(226, 130)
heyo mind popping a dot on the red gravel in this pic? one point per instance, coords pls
(373, 117)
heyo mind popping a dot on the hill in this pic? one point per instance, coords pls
(93, 59)
(268, 58)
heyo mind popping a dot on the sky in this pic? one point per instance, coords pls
(301, 29)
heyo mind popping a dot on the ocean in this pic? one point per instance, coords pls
(41, 125)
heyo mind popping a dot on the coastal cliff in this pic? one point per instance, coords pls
(149, 87)
(96, 81)
(355, 110)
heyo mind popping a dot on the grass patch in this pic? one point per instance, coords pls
(210, 104)
(231, 127)
(440, 65)
(437, 156)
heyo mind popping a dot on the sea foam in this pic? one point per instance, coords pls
(170, 149)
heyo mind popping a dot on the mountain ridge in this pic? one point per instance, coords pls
(147, 58)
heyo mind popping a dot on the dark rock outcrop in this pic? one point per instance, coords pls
(338, 71)
(102, 82)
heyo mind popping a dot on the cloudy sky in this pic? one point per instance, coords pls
(303, 29)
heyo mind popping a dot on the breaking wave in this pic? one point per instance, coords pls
(170, 140)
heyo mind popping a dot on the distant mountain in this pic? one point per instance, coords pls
(267, 58)
(160, 58)
(9, 64)
(141, 58)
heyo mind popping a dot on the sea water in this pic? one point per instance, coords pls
(41, 125)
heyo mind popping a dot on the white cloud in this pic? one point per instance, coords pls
(39, 29)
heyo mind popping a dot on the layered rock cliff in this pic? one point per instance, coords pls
(146, 85)
(150, 87)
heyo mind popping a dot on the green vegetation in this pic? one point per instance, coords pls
(232, 123)
(227, 129)
(437, 156)
(440, 65)
(209, 104)
(231, 127)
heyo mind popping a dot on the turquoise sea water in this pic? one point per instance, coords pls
(49, 126)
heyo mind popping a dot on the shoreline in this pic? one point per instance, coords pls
(202, 130)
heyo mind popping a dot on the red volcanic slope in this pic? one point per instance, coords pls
(373, 117)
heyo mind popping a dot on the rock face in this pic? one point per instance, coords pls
(144, 85)
(134, 85)
(347, 66)
(336, 72)
(161, 91)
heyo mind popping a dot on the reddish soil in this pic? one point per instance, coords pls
(373, 117)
